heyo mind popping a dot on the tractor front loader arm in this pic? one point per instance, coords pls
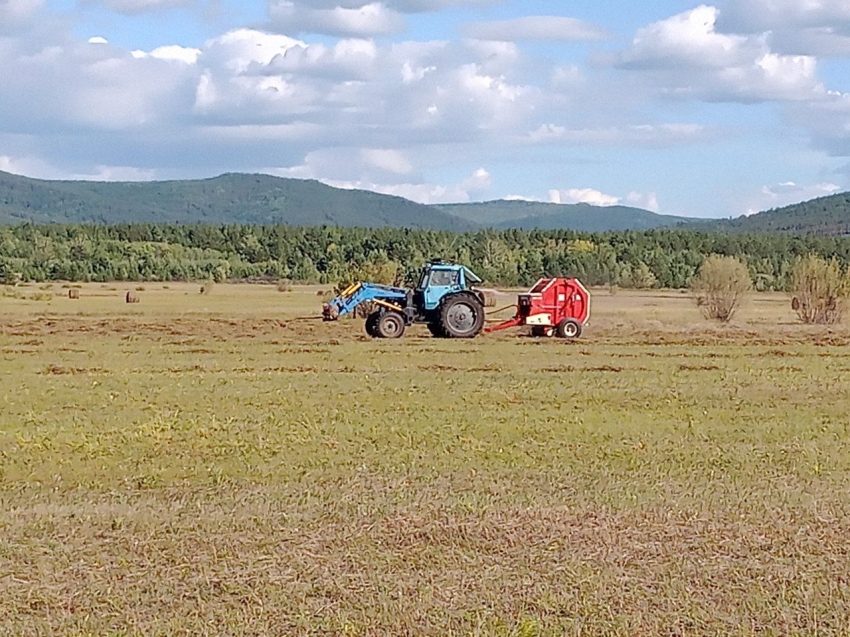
(358, 293)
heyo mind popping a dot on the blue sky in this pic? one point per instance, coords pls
(710, 110)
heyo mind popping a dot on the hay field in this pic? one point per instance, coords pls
(210, 465)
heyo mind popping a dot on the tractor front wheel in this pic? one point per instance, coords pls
(390, 325)
(569, 328)
(372, 324)
(462, 316)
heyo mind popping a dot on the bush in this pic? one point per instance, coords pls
(819, 289)
(720, 286)
(284, 285)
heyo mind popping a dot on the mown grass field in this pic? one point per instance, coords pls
(212, 465)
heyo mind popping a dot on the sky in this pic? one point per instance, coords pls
(700, 110)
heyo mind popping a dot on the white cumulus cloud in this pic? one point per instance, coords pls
(365, 20)
(582, 195)
(187, 55)
(635, 135)
(388, 160)
(685, 56)
(553, 28)
(131, 7)
(753, 16)
(813, 27)
(421, 192)
(647, 201)
(18, 14)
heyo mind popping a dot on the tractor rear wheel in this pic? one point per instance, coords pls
(569, 328)
(372, 324)
(390, 325)
(462, 316)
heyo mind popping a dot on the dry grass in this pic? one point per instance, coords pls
(221, 465)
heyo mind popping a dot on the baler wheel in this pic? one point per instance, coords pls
(372, 324)
(390, 325)
(569, 328)
(462, 316)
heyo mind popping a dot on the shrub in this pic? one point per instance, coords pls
(284, 285)
(720, 286)
(819, 289)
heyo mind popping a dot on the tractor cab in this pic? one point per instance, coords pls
(439, 279)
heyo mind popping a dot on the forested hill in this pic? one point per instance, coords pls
(230, 198)
(582, 217)
(825, 216)
(266, 200)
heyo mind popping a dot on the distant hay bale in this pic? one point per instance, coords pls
(320, 293)
(73, 293)
(207, 287)
(131, 297)
(490, 297)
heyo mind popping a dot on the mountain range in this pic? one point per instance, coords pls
(263, 199)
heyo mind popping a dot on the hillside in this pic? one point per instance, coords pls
(528, 215)
(267, 200)
(826, 216)
(227, 199)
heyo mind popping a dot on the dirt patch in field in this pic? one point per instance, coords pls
(215, 328)
(59, 370)
(195, 331)
(605, 369)
(450, 368)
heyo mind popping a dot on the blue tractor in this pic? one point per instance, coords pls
(443, 299)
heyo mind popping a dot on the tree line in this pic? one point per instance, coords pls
(667, 258)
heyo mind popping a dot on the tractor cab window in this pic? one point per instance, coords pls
(444, 278)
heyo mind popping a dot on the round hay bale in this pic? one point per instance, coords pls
(320, 293)
(73, 293)
(131, 297)
(490, 299)
(795, 304)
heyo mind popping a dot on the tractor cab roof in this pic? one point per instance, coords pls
(439, 264)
